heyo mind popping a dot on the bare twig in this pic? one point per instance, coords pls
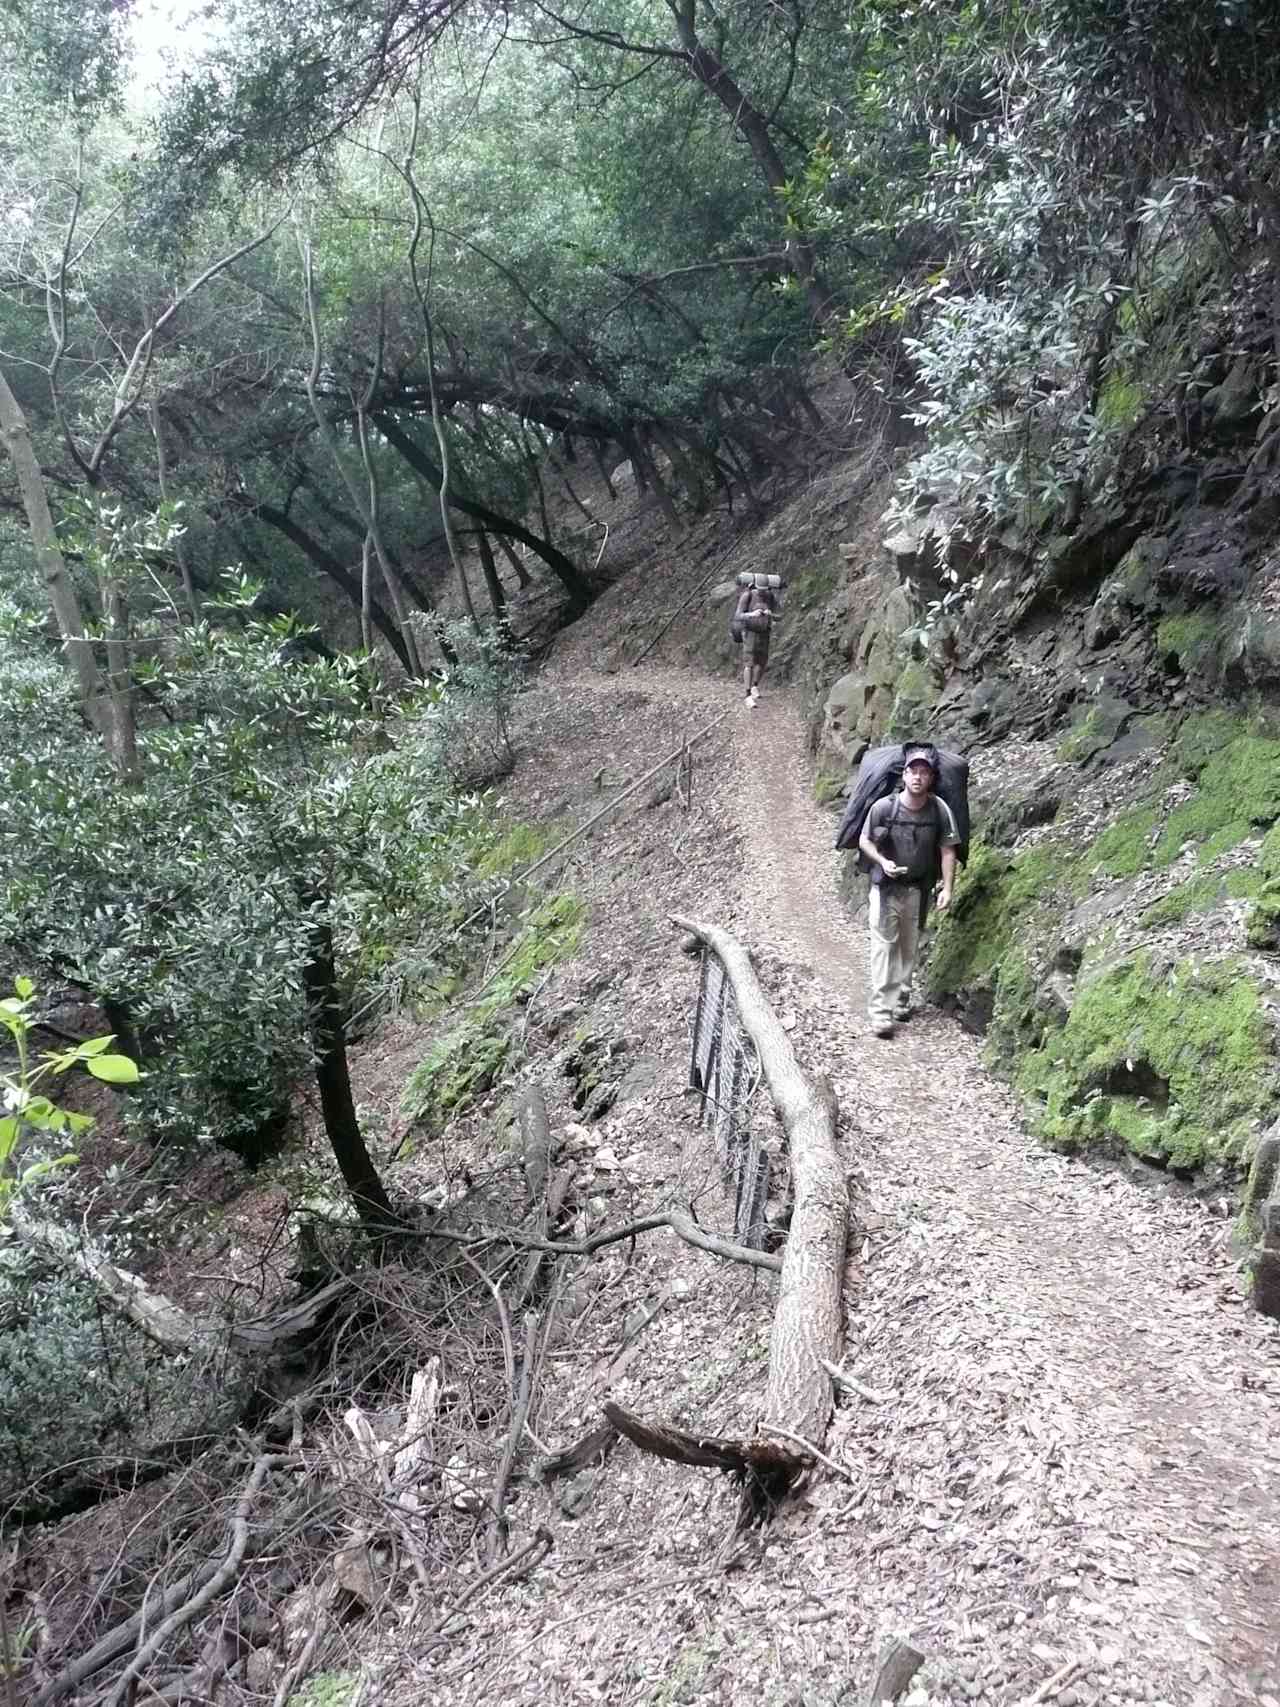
(542, 1543)
(842, 1378)
(1052, 1685)
(684, 1226)
(810, 1448)
(225, 1572)
(519, 1412)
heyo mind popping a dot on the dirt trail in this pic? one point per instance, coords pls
(1086, 1410)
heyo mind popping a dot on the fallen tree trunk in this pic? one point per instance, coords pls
(160, 1319)
(807, 1321)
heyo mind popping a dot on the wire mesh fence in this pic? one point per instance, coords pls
(725, 1070)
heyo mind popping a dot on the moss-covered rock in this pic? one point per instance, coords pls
(467, 1060)
(1174, 1063)
(994, 894)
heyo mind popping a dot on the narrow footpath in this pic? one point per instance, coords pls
(1081, 1390)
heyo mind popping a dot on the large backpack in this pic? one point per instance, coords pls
(758, 621)
(880, 773)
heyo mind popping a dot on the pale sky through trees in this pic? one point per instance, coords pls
(165, 35)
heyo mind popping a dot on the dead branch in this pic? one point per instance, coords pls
(211, 1588)
(166, 1323)
(898, 1664)
(842, 1378)
(684, 1226)
(593, 1447)
(552, 1204)
(766, 1471)
(519, 1415)
(535, 1140)
(1051, 1685)
(541, 1544)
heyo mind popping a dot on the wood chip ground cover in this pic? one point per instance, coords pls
(1076, 1459)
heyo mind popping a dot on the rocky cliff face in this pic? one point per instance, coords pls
(1117, 932)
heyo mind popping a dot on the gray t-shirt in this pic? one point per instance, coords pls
(910, 838)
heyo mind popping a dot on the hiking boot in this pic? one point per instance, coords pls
(755, 696)
(903, 1012)
(882, 1027)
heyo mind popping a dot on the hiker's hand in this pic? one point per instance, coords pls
(943, 901)
(892, 870)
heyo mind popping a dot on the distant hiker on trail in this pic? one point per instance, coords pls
(906, 837)
(753, 620)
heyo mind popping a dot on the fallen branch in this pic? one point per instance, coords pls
(1052, 1685)
(842, 1378)
(541, 1544)
(812, 1450)
(766, 1471)
(519, 1416)
(164, 1322)
(684, 1226)
(211, 1588)
(593, 1447)
(807, 1321)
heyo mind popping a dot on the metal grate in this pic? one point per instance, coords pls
(725, 1070)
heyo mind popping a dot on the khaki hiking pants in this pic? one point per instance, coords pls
(895, 936)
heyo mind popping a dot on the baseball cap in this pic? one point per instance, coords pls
(917, 752)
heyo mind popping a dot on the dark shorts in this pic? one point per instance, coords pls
(755, 645)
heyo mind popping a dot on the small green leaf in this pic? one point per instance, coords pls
(114, 1069)
(37, 1170)
(25, 988)
(79, 1122)
(94, 1046)
(8, 1129)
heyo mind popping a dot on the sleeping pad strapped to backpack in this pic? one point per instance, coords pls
(880, 774)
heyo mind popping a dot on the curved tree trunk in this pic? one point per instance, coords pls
(566, 572)
(329, 565)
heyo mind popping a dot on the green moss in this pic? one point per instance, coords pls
(1174, 1065)
(1239, 792)
(808, 588)
(1262, 927)
(915, 694)
(1194, 638)
(1124, 848)
(1081, 740)
(1119, 402)
(995, 893)
(326, 1689)
(466, 1061)
(827, 785)
(518, 847)
(1202, 737)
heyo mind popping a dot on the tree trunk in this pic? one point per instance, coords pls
(58, 584)
(706, 69)
(329, 565)
(523, 578)
(566, 572)
(497, 593)
(179, 543)
(329, 1041)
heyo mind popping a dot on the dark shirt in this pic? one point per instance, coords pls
(909, 838)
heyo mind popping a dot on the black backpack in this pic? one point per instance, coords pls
(880, 773)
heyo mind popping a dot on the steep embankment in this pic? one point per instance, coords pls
(1071, 1457)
